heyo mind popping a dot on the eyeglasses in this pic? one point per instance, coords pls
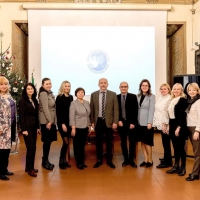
(123, 86)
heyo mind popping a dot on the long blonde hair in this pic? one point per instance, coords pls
(61, 89)
(182, 91)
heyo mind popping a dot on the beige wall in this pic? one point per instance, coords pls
(179, 13)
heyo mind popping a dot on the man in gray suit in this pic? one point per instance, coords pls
(104, 119)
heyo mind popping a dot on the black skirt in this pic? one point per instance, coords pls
(146, 135)
(65, 134)
(48, 135)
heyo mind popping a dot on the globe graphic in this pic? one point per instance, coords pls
(97, 61)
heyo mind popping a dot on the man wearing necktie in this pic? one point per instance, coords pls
(104, 119)
(128, 113)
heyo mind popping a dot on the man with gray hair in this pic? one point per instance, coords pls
(104, 119)
(128, 113)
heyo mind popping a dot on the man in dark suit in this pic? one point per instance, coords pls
(104, 119)
(128, 113)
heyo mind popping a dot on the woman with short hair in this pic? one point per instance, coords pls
(80, 123)
(193, 124)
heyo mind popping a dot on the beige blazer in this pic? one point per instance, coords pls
(47, 109)
(111, 109)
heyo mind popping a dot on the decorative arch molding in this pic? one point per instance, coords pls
(95, 6)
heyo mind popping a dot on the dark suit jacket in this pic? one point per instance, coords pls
(131, 108)
(28, 115)
(111, 109)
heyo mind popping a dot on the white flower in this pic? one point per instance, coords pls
(3, 65)
(22, 88)
(10, 65)
(21, 81)
(15, 89)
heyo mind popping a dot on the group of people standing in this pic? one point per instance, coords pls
(135, 117)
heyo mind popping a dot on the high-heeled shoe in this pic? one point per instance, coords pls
(192, 177)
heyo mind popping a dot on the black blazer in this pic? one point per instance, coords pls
(28, 115)
(62, 109)
(131, 107)
(180, 114)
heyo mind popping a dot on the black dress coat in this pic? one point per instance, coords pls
(28, 115)
(131, 108)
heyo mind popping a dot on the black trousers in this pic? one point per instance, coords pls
(167, 149)
(4, 158)
(100, 130)
(79, 142)
(30, 142)
(178, 143)
(125, 132)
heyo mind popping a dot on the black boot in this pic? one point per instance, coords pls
(174, 169)
(50, 164)
(61, 163)
(45, 164)
(66, 163)
(182, 171)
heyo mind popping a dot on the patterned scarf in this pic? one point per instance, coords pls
(191, 101)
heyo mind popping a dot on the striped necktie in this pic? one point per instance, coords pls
(103, 105)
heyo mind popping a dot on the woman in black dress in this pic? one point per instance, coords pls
(29, 124)
(63, 102)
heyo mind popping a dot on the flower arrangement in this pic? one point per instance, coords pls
(16, 81)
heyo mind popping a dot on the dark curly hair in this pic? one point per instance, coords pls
(25, 96)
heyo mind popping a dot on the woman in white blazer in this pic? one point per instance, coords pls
(146, 104)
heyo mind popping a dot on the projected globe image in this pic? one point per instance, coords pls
(98, 61)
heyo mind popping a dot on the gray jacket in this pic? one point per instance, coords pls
(47, 109)
(79, 114)
(146, 110)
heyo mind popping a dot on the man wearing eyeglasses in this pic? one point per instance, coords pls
(128, 113)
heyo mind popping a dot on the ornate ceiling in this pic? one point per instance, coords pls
(182, 2)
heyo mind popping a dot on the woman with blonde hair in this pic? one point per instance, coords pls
(178, 128)
(7, 126)
(63, 102)
(193, 123)
(161, 121)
